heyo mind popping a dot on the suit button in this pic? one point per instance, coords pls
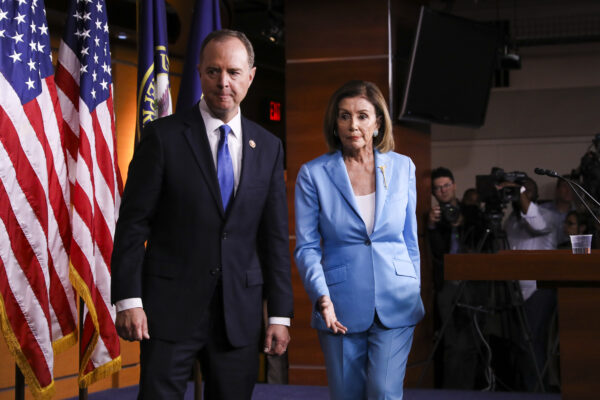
(215, 271)
(224, 235)
(368, 242)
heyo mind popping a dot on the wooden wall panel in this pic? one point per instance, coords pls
(130, 352)
(128, 376)
(124, 89)
(308, 375)
(415, 143)
(327, 44)
(7, 366)
(65, 363)
(335, 28)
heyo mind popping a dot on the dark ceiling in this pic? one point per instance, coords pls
(534, 22)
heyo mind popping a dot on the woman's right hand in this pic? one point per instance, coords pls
(325, 306)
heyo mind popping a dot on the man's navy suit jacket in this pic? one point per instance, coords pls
(172, 201)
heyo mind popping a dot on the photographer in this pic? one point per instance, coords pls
(530, 227)
(450, 230)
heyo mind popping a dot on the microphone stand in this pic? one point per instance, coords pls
(572, 185)
(581, 198)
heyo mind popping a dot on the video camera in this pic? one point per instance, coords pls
(495, 199)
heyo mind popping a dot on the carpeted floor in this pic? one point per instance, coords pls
(295, 392)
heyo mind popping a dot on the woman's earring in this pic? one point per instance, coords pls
(375, 133)
(334, 133)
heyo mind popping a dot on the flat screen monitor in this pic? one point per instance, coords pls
(450, 71)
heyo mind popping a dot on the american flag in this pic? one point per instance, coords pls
(84, 81)
(37, 307)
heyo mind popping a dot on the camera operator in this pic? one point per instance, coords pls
(530, 227)
(450, 230)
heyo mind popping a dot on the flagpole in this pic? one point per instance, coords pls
(19, 384)
(83, 392)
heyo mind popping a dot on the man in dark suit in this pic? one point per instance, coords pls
(205, 190)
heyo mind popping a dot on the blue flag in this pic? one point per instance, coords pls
(205, 20)
(153, 89)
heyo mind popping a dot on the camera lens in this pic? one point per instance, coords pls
(450, 213)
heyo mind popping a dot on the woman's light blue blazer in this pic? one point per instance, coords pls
(335, 255)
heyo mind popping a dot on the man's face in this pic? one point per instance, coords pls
(444, 190)
(225, 76)
(564, 194)
(571, 227)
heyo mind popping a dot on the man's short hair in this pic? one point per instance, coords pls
(224, 34)
(441, 172)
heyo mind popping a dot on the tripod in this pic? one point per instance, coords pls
(493, 240)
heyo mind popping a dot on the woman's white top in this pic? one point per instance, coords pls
(366, 206)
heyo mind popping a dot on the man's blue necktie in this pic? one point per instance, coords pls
(225, 167)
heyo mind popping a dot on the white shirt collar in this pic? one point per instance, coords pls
(212, 124)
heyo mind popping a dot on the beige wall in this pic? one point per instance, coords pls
(546, 118)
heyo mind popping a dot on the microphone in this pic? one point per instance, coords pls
(547, 172)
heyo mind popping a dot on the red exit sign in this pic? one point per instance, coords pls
(274, 111)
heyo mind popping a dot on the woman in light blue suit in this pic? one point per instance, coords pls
(356, 247)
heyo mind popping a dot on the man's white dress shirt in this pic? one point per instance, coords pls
(533, 231)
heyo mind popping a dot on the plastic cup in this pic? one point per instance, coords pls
(581, 244)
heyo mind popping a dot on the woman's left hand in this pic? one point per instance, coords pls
(328, 313)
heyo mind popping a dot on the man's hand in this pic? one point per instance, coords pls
(276, 339)
(526, 196)
(328, 313)
(132, 324)
(435, 214)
